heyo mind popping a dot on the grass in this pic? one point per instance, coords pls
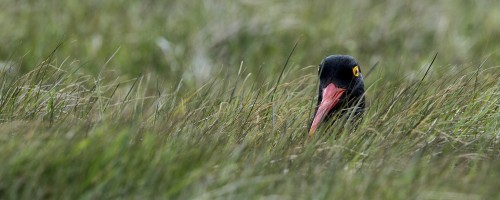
(127, 99)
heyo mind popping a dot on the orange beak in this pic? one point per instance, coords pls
(331, 97)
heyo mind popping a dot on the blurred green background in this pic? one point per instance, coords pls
(196, 39)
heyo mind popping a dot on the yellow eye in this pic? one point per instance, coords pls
(355, 71)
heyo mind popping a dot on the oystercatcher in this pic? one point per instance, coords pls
(341, 89)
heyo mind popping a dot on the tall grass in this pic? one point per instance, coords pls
(121, 110)
(66, 135)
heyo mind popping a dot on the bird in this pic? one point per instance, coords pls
(341, 90)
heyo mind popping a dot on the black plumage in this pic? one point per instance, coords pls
(341, 89)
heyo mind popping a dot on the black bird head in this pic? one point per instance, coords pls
(341, 86)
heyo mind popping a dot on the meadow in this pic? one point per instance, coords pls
(130, 99)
